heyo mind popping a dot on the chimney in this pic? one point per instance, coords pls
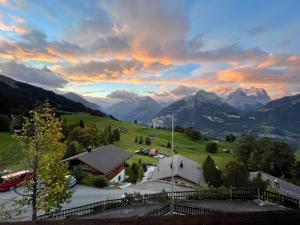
(181, 164)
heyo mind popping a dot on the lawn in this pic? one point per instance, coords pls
(297, 155)
(184, 145)
(5, 140)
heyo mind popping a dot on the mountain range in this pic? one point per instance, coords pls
(241, 111)
(141, 109)
(18, 97)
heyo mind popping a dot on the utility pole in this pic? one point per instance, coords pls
(172, 167)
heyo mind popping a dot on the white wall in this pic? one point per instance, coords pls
(116, 178)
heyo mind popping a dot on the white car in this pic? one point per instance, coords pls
(72, 180)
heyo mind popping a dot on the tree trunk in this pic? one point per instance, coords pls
(34, 191)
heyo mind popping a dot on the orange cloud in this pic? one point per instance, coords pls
(12, 28)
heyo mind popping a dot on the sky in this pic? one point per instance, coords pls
(165, 49)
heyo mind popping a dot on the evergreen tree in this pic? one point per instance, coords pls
(71, 150)
(116, 135)
(136, 140)
(211, 173)
(81, 123)
(211, 147)
(148, 141)
(169, 145)
(141, 141)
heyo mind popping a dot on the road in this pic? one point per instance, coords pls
(286, 188)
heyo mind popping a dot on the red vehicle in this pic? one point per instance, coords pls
(7, 182)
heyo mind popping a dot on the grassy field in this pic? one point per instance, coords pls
(298, 155)
(184, 145)
(5, 140)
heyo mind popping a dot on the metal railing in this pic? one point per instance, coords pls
(183, 209)
(165, 197)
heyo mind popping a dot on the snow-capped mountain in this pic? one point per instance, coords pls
(203, 110)
(140, 109)
(248, 99)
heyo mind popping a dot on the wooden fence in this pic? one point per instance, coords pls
(165, 197)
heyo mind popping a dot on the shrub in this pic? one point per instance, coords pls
(77, 173)
(100, 181)
(212, 147)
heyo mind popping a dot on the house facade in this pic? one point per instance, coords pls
(108, 161)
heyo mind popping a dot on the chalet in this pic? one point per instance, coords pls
(186, 171)
(107, 160)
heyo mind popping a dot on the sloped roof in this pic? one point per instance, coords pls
(190, 170)
(104, 159)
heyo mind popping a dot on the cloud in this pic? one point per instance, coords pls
(257, 30)
(182, 90)
(41, 77)
(123, 95)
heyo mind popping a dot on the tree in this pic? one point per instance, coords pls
(244, 148)
(87, 136)
(193, 134)
(135, 121)
(71, 150)
(169, 145)
(136, 140)
(212, 147)
(272, 156)
(230, 138)
(41, 141)
(212, 175)
(236, 174)
(4, 123)
(148, 141)
(81, 123)
(108, 135)
(16, 122)
(116, 135)
(258, 182)
(141, 141)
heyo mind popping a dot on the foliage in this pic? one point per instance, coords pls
(258, 182)
(4, 123)
(135, 140)
(87, 136)
(230, 138)
(108, 136)
(169, 145)
(296, 170)
(236, 174)
(101, 181)
(148, 141)
(245, 146)
(116, 135)
(265, 154)
(136, 172)
(16, 122)
(77, 172)
(41, 141)
(71, 150)
(193, 134)
(212, 147)
(81, 123)
(212, 175)
(141, 141)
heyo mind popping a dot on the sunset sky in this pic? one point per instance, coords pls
(164, 49)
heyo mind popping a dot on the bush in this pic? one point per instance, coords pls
(4, 123)
(212, 147)
(101, 181)
(77, 173)
(212, 175)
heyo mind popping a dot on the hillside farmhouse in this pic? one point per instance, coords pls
(107, 160)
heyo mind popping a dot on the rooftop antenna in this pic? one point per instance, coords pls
(172, 196)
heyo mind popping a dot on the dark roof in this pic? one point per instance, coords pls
(104, 159)
(190, 169)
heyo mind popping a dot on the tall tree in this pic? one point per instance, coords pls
(116, 134)
(141, 141)
(41, 140)
(244, 148)
(236, 174)
(212, 175)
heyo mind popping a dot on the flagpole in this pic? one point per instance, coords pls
(172, 197)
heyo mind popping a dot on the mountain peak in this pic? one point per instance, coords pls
(248, 99)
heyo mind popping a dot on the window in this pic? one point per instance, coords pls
(119, 178)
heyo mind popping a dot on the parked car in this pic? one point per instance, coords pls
(72, 180)
(12, 180)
